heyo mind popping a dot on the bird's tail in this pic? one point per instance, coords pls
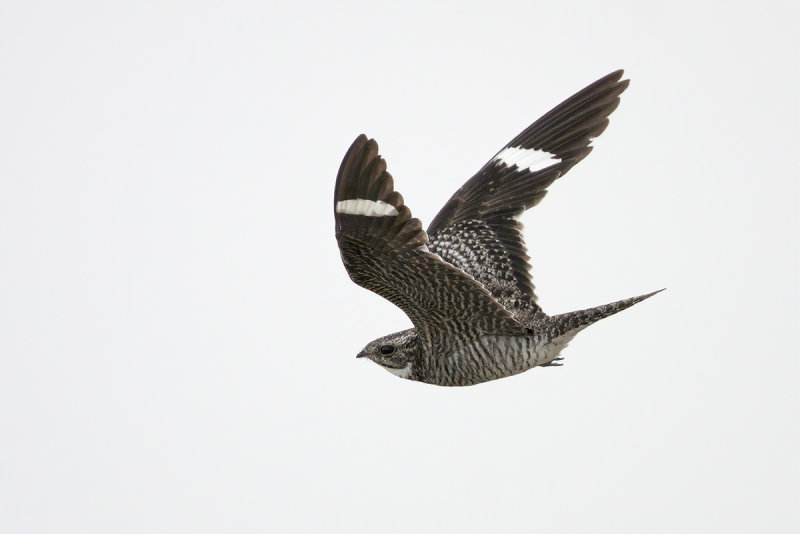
(582, 318)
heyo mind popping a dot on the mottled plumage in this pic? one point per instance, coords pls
(465, 284)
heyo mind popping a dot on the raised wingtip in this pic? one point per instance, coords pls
(359, 141)
(612, 78)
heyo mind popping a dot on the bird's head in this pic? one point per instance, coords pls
(396, 352)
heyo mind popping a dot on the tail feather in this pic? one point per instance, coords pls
(583, 318)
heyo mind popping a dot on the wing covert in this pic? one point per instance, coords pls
(478, 229)
(385, 250)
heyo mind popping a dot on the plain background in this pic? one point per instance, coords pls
(177, 332)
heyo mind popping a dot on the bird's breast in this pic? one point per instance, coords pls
(490, 357)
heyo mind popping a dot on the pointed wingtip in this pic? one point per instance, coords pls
(615, 75)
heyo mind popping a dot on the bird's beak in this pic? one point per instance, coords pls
(361, 354)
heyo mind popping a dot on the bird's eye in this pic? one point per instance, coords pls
(387, 349)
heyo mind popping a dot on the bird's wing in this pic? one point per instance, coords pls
(478, 229)
(384, 250)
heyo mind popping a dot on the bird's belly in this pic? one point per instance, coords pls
(491, 357)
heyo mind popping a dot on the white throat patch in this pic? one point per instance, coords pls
(533, 160)
(362, 206)
(402, 373)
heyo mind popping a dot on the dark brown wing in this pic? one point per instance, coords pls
(478, 231)
(384, 250)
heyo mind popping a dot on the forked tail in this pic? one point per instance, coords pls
(583, 318)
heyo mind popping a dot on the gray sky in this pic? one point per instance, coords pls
(177, 332)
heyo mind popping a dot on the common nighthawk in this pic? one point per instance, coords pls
(465, 284)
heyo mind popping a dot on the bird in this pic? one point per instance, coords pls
(465, 283)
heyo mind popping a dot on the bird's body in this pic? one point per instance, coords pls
(466, 284)
(487, 358)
